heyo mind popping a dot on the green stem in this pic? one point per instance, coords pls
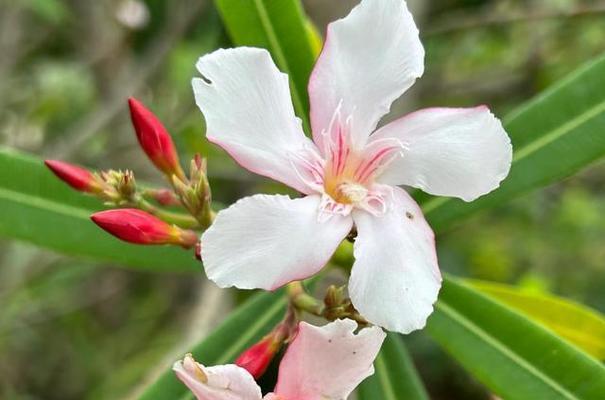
(181, 220)
(302, 300)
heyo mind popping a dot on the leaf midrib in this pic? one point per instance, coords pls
(496, 344)
(384, 378)
(44, 204)
(534, 146)
(563, 326)
(559, 132)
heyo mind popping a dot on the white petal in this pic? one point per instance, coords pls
(395, 278)
(246, 102)
(221, 382)
(328, 362)
(459, 152)
(267, 241)
(369, 59)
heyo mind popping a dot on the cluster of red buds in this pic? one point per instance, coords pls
(149, 216)
(141, 216)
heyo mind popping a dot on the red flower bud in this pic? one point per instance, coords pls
(165, 197)
(136, 226)
(78, 178)
(154, 139)
(258, 357)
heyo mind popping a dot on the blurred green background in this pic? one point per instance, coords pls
(72, 330)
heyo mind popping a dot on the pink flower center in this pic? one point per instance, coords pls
(345, 173)
(349, 173)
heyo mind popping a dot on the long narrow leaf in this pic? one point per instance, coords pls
(579, 324)
(395, 376)
(513, 356)
(555, 135)
(36, 207)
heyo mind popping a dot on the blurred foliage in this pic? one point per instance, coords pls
(71, 330)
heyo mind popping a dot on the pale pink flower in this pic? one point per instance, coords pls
(321, 363)
(347, 173)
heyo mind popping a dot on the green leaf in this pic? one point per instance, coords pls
(38, 208)
(513, 356)
(579, 324)
(554, 135)
(395, 376)
(243, 327)
(281, 27)
(315, 39)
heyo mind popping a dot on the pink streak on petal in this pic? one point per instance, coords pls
(378, 154)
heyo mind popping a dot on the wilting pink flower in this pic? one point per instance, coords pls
(321, 363)
(348, 174)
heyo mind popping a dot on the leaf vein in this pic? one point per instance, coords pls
(496, 344)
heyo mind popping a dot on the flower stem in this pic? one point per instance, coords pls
(165, 197)
(182, 220)
(303, 301)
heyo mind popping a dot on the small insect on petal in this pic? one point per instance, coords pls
(136, 226)
(154, 139)
(77, 177)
